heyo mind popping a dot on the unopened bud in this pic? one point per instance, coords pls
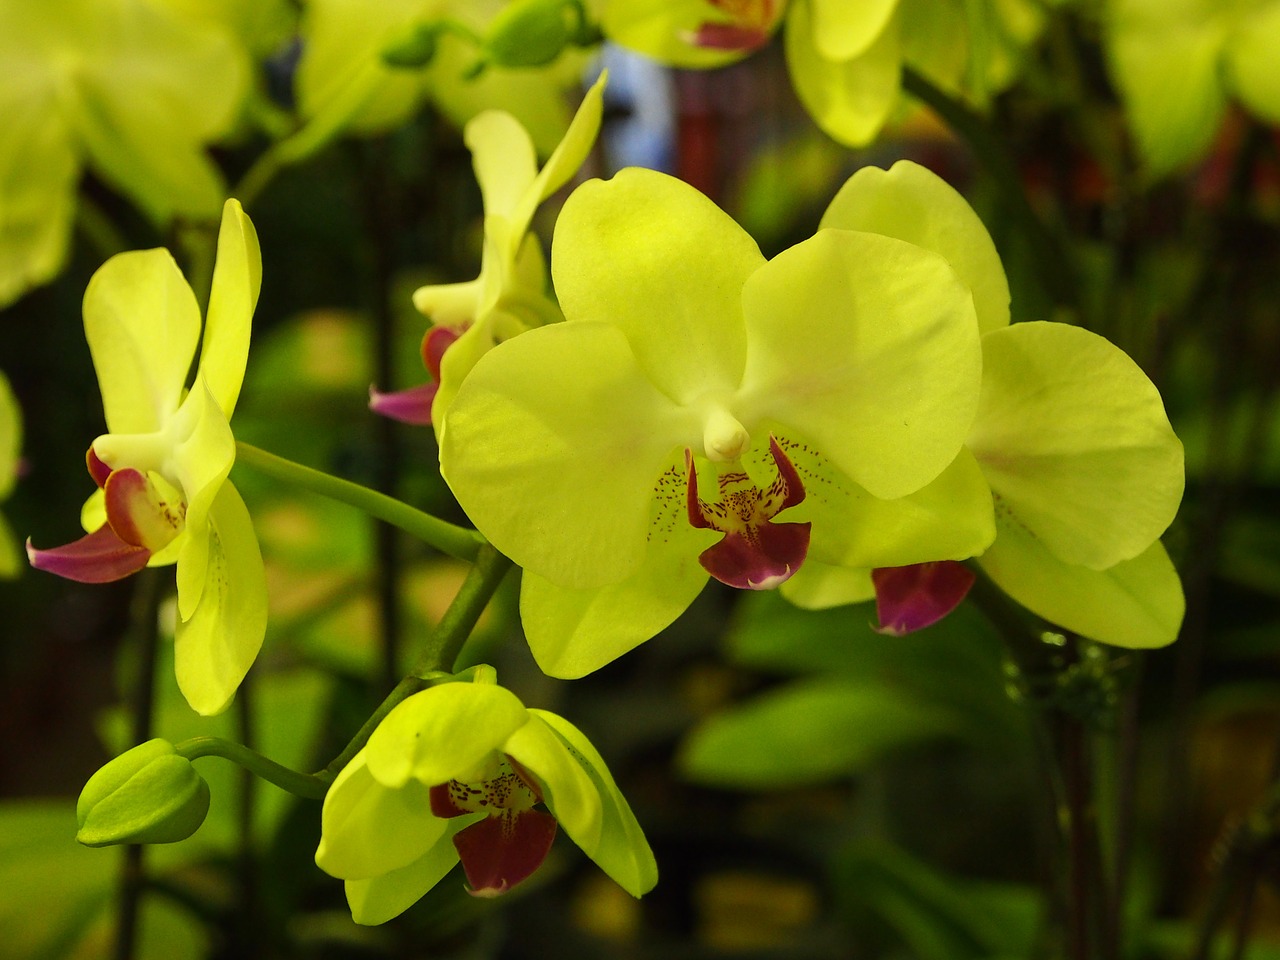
(149, 794)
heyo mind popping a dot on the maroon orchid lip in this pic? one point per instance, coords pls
(414, 405)
(917, 596)
(98, 557)
(512, 840)
(729, 36)
(755, 554)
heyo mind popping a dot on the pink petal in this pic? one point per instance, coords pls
(500, 851)
(407, 406)
(98, 557)
(760, 559)
(911, 598)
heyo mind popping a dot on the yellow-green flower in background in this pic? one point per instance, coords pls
(845, 58)
(510, 295)
(455, 773)
(343, 83)
(129, 88)
(164, 496)
(704, 412)
(10, 452)
(1177, 64)
(1072, 438)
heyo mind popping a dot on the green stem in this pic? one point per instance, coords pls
(442, 648)
(299, 784)
(444, 536)
(1053, 266)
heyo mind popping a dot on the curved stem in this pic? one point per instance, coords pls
(444, 536)
(311, 786)
(1052, 264)
(442, 648)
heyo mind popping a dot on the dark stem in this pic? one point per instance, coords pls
(146, 626)
(1053, 265)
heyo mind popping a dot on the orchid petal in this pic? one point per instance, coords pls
(1074, 440)
(142, 324)
(666, 29)
(912, 598)
(569, 156)
(844, 322)
(368, 829)
(566, 788)
(914, 204)
(1137, 603)
(412, 406)
(1251, 61)
(1166, 65)
(139, 512)
(504, 849)
(817, 586)
(622, 851)
(214, 649)
(237, 278)
(204, 452)
(98, 557)
(564, 415)
(447, 732)
(843, 30)
(449, 304)
(849, 99)
(573, 632)
(504, 161)
(679, 299)
(379, 899)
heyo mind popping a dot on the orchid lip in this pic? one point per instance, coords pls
(917, 596)
(756, 553)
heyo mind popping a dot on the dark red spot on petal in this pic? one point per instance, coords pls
(98, 557)
(500, 851)
(730, 36)
(911, 598)
(97, 469)
(434, 344)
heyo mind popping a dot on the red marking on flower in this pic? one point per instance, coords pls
(97, 469)
(755, 554)
(414, 405)
(512, 840)
(137, 512)
(752, 23)
(98, 557)
(917, 596)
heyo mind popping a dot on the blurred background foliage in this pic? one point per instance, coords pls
(811, 788)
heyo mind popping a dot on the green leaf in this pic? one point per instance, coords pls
(809, 732)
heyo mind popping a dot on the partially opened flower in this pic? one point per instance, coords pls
(457, 772)
(1070, 435)
(10, 451)
(702, 411)
(162, 469)
(129, 88)
(845, 58)
(1176, 65)
(509, 296)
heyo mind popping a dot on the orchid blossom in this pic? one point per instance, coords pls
(509, 297)
(129, 88)
(162, 469)
(703, 411)
(1070, 435)
(455, 773)
(845, 58)
(1176, 64)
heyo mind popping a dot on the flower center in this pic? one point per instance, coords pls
(506, 791)
(755, 554)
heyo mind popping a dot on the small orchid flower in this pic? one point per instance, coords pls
(456, 772)
(1070, 435)
(1177, 64)
(10, 453)
(131, 89)
(509, 295)
(703, 411)
(162, 469)
(845, 58)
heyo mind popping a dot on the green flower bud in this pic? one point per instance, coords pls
(149, 794)
(413, 48)
(532, 33)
